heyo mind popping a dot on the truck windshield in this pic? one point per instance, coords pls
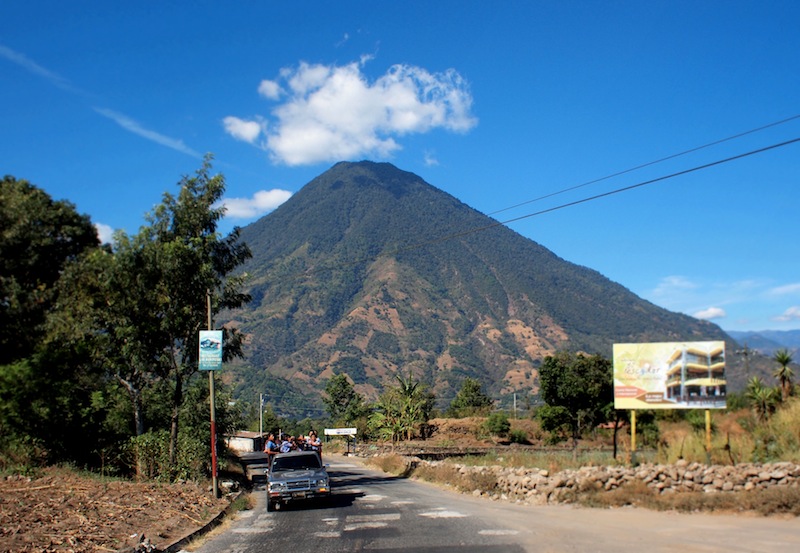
(300, 462)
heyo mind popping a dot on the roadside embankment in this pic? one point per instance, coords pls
(538, 486)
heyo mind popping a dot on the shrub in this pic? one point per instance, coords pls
(497, 424)
(518, 436)
(149, 456)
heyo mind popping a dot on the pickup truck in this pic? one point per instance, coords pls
(296, 476)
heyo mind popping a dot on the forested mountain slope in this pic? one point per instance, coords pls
(353, 274)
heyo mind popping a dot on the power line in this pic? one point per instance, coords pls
(648, 164)
(658, 179)
(467, 232)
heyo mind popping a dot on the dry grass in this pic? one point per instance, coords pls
(391, 464)
(772, 501)
(441, 473)
(552, 460)
(445, 473)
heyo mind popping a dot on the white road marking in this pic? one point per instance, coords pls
(402, 502)
(498, 532)
(442, 514)
(363, 525)
(371, 497)
(371, 518)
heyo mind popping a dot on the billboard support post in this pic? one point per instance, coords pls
(708, 435)
(633, 436)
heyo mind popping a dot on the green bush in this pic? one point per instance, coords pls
(497, 424)
(518, 436)
(149, 456)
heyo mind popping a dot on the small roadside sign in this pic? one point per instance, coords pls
(210, 358)
(340, 431)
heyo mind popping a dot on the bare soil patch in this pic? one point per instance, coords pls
(61, 510)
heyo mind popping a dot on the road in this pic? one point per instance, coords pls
(371, 511)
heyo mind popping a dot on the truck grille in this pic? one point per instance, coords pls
(298, 485)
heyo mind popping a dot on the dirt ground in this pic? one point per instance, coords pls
(64, 511)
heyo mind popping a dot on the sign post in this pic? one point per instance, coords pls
(349, 432)
(210, 359)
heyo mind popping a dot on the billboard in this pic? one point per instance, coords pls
(670, 375)
(210, 358)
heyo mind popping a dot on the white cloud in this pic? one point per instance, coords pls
(674, 284)
(334, 113)
(104, 233)
(122, 120)
(430, 159)
(270, 89)
(791, 314)
(261, 202)
(36, 69)
(247, 131)
(711, 313)
(133, 126)
(786, 290)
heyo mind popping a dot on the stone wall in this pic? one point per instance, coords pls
(537, 486)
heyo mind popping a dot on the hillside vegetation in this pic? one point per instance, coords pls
(370, 271)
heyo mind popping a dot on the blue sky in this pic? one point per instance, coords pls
(108, 104)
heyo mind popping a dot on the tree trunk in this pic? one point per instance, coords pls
(177, 399)
(135, 395)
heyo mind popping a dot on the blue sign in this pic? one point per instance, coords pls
(210, 358)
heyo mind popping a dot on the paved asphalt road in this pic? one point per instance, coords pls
(371, 511)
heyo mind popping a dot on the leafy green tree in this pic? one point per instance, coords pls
(387, 420)
(418, 402)
(577, 390)
(343, 403)
(402, 410)
(784, 373)
(108, 307)
(470, 400)
(38, 236)
(193, 263)
(46, 399)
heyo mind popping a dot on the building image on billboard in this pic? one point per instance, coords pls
(670, 375)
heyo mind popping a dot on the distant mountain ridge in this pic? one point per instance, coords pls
(768, 341)
(353, 274)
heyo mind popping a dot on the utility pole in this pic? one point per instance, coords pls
(260, 415)
(212, 404)
(747, 353)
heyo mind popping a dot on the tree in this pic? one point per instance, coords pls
(403, 409)
(46, 398)
(577, 390)
(193, 263)
(784, 373)
(38, 236)
(106, 304)
(343, 403)
(470, 400)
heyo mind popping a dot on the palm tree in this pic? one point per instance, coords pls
(784, 373)
(762, 398)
